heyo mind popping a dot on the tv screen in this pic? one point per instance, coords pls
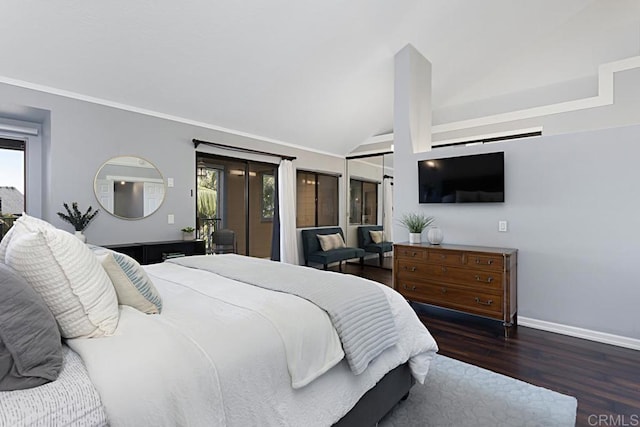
(466, 179)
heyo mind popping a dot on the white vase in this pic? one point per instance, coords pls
(81, 236)
(188, 236)
(415, 237)
(435, 235)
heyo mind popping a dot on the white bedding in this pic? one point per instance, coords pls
(71, 400)
(216, 356)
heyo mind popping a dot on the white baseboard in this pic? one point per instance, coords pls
(587, 334)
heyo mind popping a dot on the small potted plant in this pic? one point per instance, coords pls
(188, 233)
(415, 222)
(79, 220)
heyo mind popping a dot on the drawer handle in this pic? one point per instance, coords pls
(406, 288)
(443, 257)
(410, 253)
(444, 269)
(412, 269)
(443, 290)
(489, 279)
(488, 302)
(489, 262)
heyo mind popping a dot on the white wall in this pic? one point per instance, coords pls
(80, 136)
(572, 202)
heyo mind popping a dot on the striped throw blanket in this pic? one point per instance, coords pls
(358, 309)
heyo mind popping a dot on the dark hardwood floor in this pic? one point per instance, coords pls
(604, 378)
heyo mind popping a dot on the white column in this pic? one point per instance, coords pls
(412, 101)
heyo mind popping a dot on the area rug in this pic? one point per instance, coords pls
(459, 394)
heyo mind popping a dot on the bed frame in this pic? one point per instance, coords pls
(378, 401)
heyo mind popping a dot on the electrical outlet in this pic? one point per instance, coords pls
(169, 182)
(502, 226)
(170, 219)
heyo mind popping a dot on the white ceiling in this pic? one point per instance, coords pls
(317, 73)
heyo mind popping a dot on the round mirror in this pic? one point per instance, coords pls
(129, 187)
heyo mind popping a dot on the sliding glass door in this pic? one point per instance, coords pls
(237, 195)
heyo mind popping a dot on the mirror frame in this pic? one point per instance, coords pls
(96, 192)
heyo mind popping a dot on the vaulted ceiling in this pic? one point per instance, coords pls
(316, 73)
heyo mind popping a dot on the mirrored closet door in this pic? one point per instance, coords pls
(370, 201)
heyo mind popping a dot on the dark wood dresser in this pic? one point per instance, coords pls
(154, 252)
(473, 279)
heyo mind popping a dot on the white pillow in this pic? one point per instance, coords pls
(377, 236)
(69, 278)
(132, 285)
(24, 224)
(331, 241)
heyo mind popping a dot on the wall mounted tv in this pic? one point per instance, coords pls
(465, 179)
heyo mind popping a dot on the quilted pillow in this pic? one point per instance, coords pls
(70, 280)
(30, 344)
(377, 236)
(331, 241)
(132, 285)
(24, 224)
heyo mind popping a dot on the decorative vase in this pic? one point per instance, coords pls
(415, 237)
(435, 235)
(81, 236)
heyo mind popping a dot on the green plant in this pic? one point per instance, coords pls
(76, 218)
(415, 222)
(188, 230)
(207, 201)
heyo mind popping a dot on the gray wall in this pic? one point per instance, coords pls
(572, 204)
(80, 136)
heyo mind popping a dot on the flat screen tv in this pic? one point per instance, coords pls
(465, 179)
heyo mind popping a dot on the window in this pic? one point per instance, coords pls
(317, 199)
(12, 193)
(363, 202)
(268, 200)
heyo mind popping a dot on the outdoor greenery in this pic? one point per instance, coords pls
(208, 195)
(76, 218)
(268, 192)
(6, 222)
(207, 202)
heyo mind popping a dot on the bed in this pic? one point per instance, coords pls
(224, 352)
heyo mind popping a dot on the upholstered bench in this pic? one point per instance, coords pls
(366, 242)
(313, 251)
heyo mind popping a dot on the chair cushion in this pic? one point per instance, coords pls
(377, 236)
(335, 255)
(379, 247)
(331, 241)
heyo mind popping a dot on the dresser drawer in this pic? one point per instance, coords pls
(481, 279)
(414, 269)
(407, 252)
(445, 257)
(485, 261)
(471, 301)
